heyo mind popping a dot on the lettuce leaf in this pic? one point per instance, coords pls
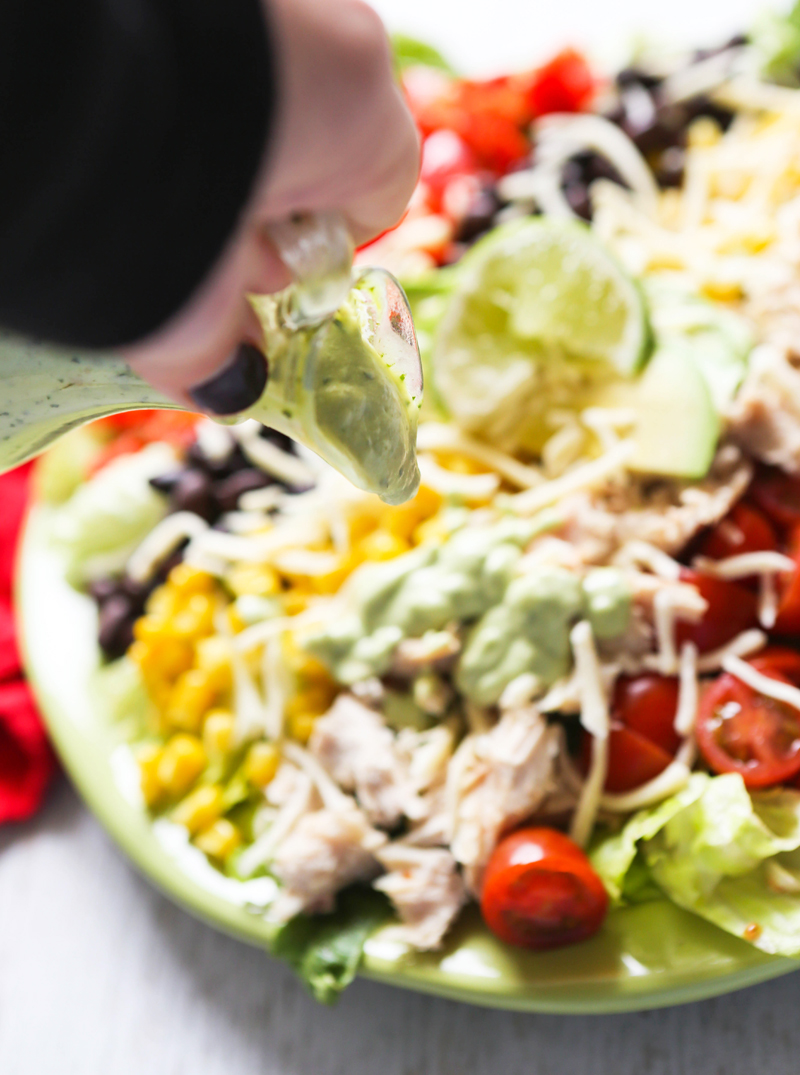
(410, 52)
(325, 949)
(708, 849)
(107, 517)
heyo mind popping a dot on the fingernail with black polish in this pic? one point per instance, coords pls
(237, 386)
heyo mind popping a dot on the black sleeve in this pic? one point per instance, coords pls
(130, 135)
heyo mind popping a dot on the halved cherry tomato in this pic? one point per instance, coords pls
(565, 84)
(647, 705)
(633, 759)
(642, 740)
(744, 529)
(732, 608)
(788, 618)
(780, 659)
(540, 891)
(741, 731)
(778, 495)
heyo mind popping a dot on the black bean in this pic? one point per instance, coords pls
(478, 218)
(228, 491)
(577, 194)
(669, 169)
(280, 440)
(165, 483)
(193, 492)
(102, 589)
(632, 75)
(116, 621)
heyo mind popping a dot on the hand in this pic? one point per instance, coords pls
(342, 139)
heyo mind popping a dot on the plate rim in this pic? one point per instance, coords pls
(131, 830)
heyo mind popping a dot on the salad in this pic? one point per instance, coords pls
(566, 674)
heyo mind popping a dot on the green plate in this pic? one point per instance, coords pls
(644, 957)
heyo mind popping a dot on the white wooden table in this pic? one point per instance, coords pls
(101, 975)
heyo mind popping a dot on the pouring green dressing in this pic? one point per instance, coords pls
(345, 377)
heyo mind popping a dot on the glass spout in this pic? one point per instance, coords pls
(350, 387)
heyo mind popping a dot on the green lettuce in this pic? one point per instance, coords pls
(410, 52)
(107, 517)
(325, 950)
(776, 37)
(710, 849)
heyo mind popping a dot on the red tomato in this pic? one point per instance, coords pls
(744, 529)
(633, 759)
(647, 704)
(565, 84)
(741, 731)
(125, 444)
(445, 155)
(780, 659)
(540, 891)
(732, 608)
(788, 619)
(778, 495)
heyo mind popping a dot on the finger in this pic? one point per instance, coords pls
(203, 339)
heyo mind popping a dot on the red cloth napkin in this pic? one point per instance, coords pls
(27, 761)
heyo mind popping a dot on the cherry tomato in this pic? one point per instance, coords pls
(780, 659)
(788, 618)
(778, 495)
(540, 891)
(633, 759)
(732, 608)
(445, 155)
(741, 731)
(565, 84)
(647, 705)
(744, 529)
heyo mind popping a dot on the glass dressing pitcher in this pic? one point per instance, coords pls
(345, 377)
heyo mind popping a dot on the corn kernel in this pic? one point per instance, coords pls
(722, 290)
(196, 618)
(703, 133)
(301, 725)
(259, 579)
(192, 695)
(218, 732)
(189, 580)
(235, 621)
(432, 530)
(381, 545)
(212, 655)
(459, 464)
(161, 657)
(302, 663)
(219, 839)
(163, 603)
(315, 699)
(295, 601)
(182, 761)
(148, 758)
(200, 808)
(403, 520)
(261, 763)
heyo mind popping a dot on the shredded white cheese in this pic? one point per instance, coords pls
(299, 803)
(331, 794)
(643, 554)
(270, 458)
(595, 719)
(450, 483)
(766, 685)
(743, 645)
(276, 686)
(437, 436)
(162, 541)
(593, 473)
(673, 603)
(745, 565)
(688, 690)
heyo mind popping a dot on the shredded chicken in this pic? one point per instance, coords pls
(765, 416)
(662, 512)
(434, 650)
(358, 750)
(426, 889)
(325, 851)
(495, 780)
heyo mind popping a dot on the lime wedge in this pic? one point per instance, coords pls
(541, 313)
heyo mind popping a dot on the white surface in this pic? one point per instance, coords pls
(100, 975)
(496, 36)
